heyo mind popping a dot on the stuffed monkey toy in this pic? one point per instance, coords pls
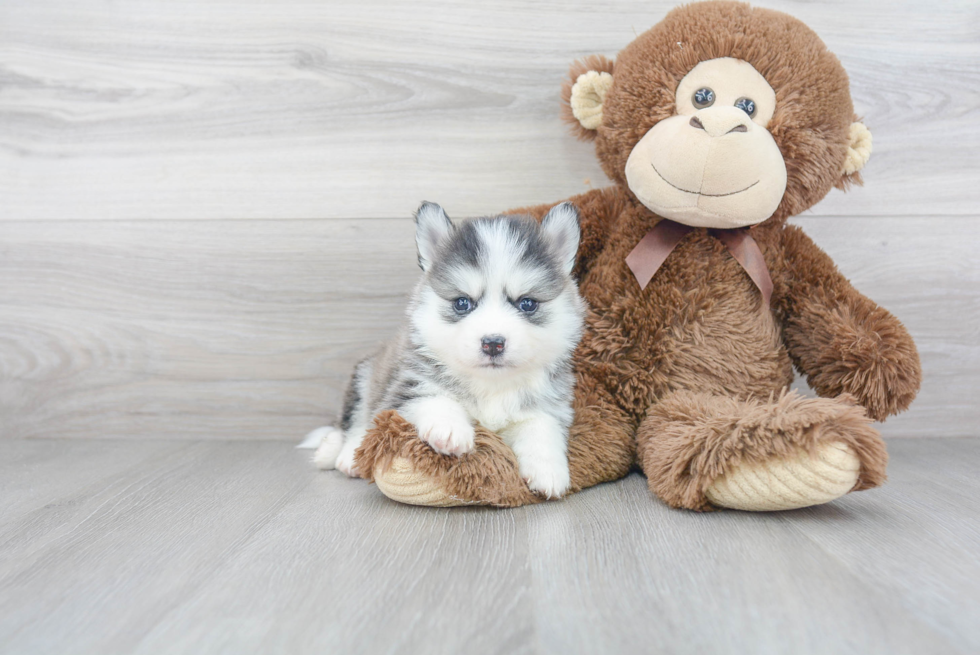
(715, 126)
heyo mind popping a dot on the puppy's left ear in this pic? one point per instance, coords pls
(858, 154)
(561, 227)
(432, 226)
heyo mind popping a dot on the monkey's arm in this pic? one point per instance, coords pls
(841, 340)
(598, 210)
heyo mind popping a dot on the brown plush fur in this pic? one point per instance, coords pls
(486, 476)
(596, 63)
(688, 439)
(813, 101)
(688, 377)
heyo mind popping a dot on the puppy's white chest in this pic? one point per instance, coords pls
(497, 411)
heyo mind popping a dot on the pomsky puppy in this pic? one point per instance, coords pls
(491, 329)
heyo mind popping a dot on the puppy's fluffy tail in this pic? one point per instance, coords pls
(327, 440)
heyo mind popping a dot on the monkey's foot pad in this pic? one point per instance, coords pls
(401, 482)
(807, 479)
(407, 470)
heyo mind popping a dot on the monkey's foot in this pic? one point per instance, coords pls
(701, 451)
(407, 470)
(789, 483)
(402, 483)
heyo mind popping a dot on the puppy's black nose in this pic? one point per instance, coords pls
(494, 345)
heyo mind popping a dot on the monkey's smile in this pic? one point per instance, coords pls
(698, 193)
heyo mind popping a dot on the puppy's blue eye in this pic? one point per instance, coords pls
(527, 305)
(462, 305)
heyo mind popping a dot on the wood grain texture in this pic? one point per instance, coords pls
(150, 112)
(190, 346)
(228, 329)
(247, 109)
(244, 548)
(249, 329)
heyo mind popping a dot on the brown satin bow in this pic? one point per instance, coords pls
(654, 248)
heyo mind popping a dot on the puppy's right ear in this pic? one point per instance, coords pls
(432, 226)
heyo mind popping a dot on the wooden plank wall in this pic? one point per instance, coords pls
(204, 206)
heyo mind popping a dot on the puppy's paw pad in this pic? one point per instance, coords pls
(551, 479)
(448, 436)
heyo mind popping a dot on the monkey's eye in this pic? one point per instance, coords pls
(747, 105)
(703, 97)
(527, 305)
(462, 305)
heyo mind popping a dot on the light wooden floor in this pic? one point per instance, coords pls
(241, 547)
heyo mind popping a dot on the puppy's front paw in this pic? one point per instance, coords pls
(547, 476)
(448, 435)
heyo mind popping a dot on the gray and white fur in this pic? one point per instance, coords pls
(491, 329)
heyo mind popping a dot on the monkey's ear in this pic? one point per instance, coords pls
(858, 154)
(583, 93)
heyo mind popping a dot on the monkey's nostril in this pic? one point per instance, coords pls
(738, 128)
(696, 123)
